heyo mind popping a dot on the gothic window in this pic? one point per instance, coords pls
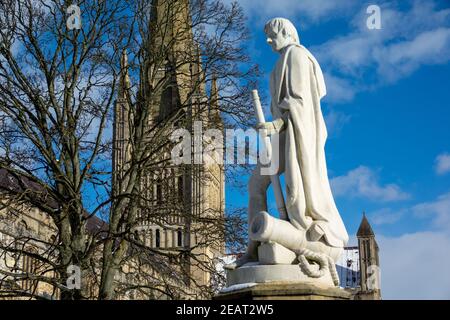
(367, 250)
(179, 238)
(158, 238)
(159, 193)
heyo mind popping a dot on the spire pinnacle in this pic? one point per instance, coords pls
(214, 96)
(125, 83)
(365, 229)
(214, 111)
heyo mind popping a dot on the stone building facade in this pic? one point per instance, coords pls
(177, 199)
(25, 228)
(28, 245)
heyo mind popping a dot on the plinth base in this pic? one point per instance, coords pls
(283, 291)
(256, 273)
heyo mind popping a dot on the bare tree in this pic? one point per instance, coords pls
(58, 88)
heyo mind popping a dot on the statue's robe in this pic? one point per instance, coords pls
(297, 85)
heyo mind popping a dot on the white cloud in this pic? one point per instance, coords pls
(438, 210)
(339, 90)
(309, 10)
(364, 59)
(363, 182)
(386, 216)
(442, 163)
(407, 40)
(415, 266)
(347, 54)
(401, 59)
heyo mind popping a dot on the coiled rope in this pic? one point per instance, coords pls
(326, 264)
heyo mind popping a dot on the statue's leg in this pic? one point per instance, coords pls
(257, 189)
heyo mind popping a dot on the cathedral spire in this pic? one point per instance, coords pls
(124, 83)
(170, 25)
(169, 58)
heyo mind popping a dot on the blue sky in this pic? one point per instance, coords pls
(388, 150)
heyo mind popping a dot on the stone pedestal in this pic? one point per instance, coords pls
(283, 291)
(256, 273)
(278, 275)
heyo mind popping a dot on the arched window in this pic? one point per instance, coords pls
(179, 238)
(159, 194)
(157, 238)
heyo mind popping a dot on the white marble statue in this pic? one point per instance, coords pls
(312, 230)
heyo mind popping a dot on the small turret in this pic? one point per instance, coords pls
(369, 262)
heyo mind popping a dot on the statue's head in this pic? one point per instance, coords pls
(280, 33)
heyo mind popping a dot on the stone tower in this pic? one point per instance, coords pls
(181, 201)
(369, 262)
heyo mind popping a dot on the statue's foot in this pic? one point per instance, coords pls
(246, 258)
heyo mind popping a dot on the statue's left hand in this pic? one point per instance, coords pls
(271, 127)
